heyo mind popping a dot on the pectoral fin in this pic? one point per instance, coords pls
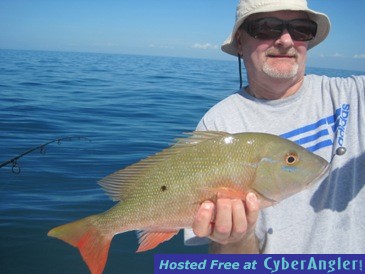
(225, 192)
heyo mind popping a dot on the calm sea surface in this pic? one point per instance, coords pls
(128, 107)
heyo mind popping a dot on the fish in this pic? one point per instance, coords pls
(161, 194)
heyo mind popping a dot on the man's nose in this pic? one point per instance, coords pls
(285, 40)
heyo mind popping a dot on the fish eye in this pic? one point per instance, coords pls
(291, 158)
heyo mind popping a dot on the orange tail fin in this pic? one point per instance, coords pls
(92, 244)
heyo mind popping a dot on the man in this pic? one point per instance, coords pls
(320, 113)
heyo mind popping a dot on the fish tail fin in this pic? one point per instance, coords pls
(91, 242)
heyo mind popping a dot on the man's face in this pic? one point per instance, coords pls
(279, 58)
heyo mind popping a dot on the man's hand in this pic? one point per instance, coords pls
(230, 224)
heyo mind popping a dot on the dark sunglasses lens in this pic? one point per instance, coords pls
(265, 28)
(272, 28)
(302, 29)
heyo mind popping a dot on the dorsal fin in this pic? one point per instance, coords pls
(197, 137)
(118, 184)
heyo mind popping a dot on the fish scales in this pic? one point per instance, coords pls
(161, 194)
(187, 174)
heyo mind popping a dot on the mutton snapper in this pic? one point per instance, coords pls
(160, 195)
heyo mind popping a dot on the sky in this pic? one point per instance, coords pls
(184, 28)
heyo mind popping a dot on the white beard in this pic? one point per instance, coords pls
(280, 74)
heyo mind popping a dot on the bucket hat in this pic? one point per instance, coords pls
(245, 8)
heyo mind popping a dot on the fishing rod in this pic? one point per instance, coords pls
(14, 161)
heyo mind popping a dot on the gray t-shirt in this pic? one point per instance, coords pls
(326, 113)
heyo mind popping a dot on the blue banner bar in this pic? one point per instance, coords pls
(260, 264)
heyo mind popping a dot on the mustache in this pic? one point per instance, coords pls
(276, 52)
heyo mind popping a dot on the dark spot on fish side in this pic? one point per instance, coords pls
(164, 188)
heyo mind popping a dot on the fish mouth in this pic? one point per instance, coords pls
(324, 172)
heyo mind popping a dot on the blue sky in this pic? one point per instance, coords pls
(184, 28)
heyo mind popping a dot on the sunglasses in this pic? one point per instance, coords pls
(272, 28)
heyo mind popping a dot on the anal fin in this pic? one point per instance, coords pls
(150, 239)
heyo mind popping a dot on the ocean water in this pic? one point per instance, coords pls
(118, 109)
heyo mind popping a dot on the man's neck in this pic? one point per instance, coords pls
(274, 89)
